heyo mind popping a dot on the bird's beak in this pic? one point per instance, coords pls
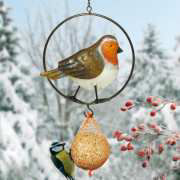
(119, 50)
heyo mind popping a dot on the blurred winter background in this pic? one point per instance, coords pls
(32, 115)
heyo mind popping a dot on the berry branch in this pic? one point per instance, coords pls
(155, 103)
(149, 139)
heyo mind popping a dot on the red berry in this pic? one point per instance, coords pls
(123, 148)
(163, 177)
(121, 137)
(141, 153)
(173, 107)
(117, 133)
(133, 129)
(144, 164)
(173, 142)
(129, 103)
(160, 148)
(176, 158)
(123, 109)
(153, 113)
(149, 99)
(155, 103)
(130, 147)
(152, 125)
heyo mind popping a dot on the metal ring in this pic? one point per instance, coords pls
(90, 110)
(99, 100)
(89, 9)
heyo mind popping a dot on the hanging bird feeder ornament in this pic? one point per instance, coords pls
(92, 68)
(90, 148)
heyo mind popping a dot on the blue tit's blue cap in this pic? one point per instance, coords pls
(55, 143)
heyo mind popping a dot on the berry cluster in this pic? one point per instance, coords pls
(123, 137)
(157, 104)
(155, 138)
(149, 133)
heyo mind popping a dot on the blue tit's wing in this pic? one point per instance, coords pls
(59, 165)
(65, 158)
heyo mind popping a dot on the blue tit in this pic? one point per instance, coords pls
(62, 160)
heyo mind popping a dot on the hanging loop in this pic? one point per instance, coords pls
(89, 7)
(88, 114)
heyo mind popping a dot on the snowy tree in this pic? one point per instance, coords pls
(177, 47)
(153, 69)
(176, 53)
(18, 119)
(150, 45)
(7, 38)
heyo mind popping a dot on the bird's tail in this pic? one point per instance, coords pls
(70, 178)
(52, 74)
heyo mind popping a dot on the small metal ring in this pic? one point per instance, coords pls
(103, 100)
(89, 9)
(90, 110)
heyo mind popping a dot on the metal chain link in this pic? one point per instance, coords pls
(89, 8)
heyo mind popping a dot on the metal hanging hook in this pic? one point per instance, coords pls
(89, 7)
(85, 113)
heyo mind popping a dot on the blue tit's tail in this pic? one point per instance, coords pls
(70, 178)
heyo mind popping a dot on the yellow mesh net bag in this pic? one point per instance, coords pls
(90, 148)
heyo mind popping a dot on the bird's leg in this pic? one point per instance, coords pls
(77, 90)
(96, 93)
